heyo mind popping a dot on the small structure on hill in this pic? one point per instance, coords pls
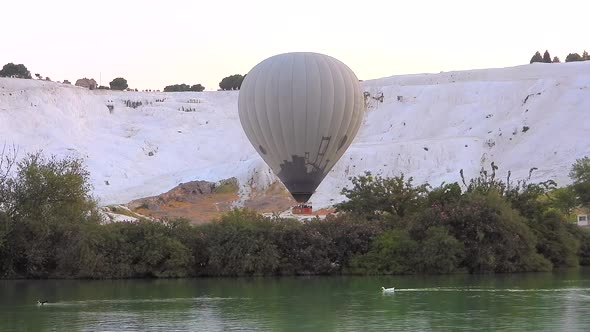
(86, 83)
(582, 220)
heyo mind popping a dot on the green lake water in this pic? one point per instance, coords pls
(558, 301)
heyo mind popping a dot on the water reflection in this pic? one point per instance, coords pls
(540, 302)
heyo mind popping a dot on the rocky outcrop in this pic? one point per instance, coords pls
(197, 201)
(202, 201)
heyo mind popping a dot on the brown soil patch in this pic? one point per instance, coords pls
(275, 198)
(202, 201)
(197, 201)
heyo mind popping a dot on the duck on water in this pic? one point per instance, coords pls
(388, 290)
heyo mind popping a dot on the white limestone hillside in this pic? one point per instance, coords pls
(428, 126)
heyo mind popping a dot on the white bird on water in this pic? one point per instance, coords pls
(388, 290)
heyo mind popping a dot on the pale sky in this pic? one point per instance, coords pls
(157, 43)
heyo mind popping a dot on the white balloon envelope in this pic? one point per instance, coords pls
(301, 111)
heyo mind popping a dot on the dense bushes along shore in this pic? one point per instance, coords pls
(50, 228)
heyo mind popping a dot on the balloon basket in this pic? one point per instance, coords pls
(302, 209)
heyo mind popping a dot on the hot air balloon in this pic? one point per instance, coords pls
(301, 111)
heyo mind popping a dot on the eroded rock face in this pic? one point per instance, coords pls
(202, 201)
(185, 192)
(197, 201)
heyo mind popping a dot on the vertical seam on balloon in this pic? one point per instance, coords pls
(356, 95)
(305, 58)
(328, 107)
(292, 101)
(284, 133)
(249, 110)
(271, 149)
(361, 111)
(354, 81)
(338, 65)
(316, 138)
(336, 75)
(284, 140)
(272, 140)
(261, 138)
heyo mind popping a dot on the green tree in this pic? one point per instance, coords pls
(46, 203)
(7, 162)
(372, 196)
(523, 195)
(15, 71)
(556, 59)
(336, 240)
(197, 88)
(393, 252)
(580, 174)
(241, 244)
(118, 83)
(537, 57)
(583, 236)
(564, 199)
(233, 82)
(153, 251)
(573, 57)
(554, 241)
(495, 236)
(439, 252)
(585, 56)
(176, 88)
(184, 87)
(447, 193)
(546, 57)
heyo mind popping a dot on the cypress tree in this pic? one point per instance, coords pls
(537, 57)
(546, 57)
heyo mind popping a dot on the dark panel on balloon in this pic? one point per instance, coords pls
(302, 197)
(300, 183)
